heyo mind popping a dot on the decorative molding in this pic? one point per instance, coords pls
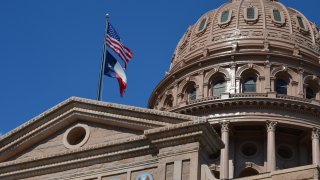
(315, 133)
(271, 126)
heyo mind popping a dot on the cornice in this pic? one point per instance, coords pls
(253, 99)
(149, 143)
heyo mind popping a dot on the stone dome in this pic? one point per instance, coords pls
(248, 26)
(263, 35)
(251, 67)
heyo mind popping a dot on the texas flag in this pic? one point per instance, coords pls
(113, 69)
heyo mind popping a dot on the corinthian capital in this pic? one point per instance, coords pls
(315, 133)
(271, 125)
(224, 126)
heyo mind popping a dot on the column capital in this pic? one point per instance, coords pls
(315, 133)
(271, 125)
(224, 126)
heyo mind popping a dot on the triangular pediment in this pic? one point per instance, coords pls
(105, 121)
(80, 134)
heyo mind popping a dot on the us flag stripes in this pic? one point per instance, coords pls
(115, 43)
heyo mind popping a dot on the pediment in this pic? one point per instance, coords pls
(78, 135)
(106, 121)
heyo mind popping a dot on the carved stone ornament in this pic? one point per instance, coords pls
(271, 126)
(315, 133)
(225, 126)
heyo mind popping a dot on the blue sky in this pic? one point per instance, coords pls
(51, 50)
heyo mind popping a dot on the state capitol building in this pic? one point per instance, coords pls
(241, 100)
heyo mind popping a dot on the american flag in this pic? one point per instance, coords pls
(114, 42)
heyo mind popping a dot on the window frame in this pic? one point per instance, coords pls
(304, 29)
(246, 79)
(276, 22)
(251, 20)
(215, 83)
(276, 85)
(227, 21)
(204, 26)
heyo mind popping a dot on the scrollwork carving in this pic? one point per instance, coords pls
(271, 126)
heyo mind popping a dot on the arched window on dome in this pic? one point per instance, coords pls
(302, 26)
(281, 86)
(190, 92)
(168, 102)
(249, 84)
(277, 17)
(202, 25)
(218, 87)
(249, 81)
(225, 17)
(251, 14)
(311, 89)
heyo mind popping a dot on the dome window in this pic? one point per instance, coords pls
(251, 15)
(249, 85)
(310, 93)
(192, 94)
(277, 17)
(225, 17)
(301, 24)
(218, 87)
(281, 86)
(202, 25)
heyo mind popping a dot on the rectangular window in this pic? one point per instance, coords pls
(277, 15)
(301, 23)
(224, 16)
(250, 13)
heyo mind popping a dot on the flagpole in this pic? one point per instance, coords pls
(102, 60)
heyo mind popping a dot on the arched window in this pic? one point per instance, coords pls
(202, 24)
(248, 172)
(225, 17)
(300, 22)
(281, 86)
(249, 84)
(192, 94)
(144, 176)
(310, 93)
(219, 87)
(250, 13)
(168, 103)
(277, 15)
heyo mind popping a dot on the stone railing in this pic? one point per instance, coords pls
(224, 96)
(210, 98)
(246, 95)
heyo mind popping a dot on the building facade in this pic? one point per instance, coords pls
(252, 68)
(241, 101)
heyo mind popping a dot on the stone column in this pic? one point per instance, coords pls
(300, 83)
(175, 95)
(200, 78)
(271, 146)
(233, 78)
(224, 156)
(267, 76)
(315, 146)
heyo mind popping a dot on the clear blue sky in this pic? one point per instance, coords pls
(50, 50)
